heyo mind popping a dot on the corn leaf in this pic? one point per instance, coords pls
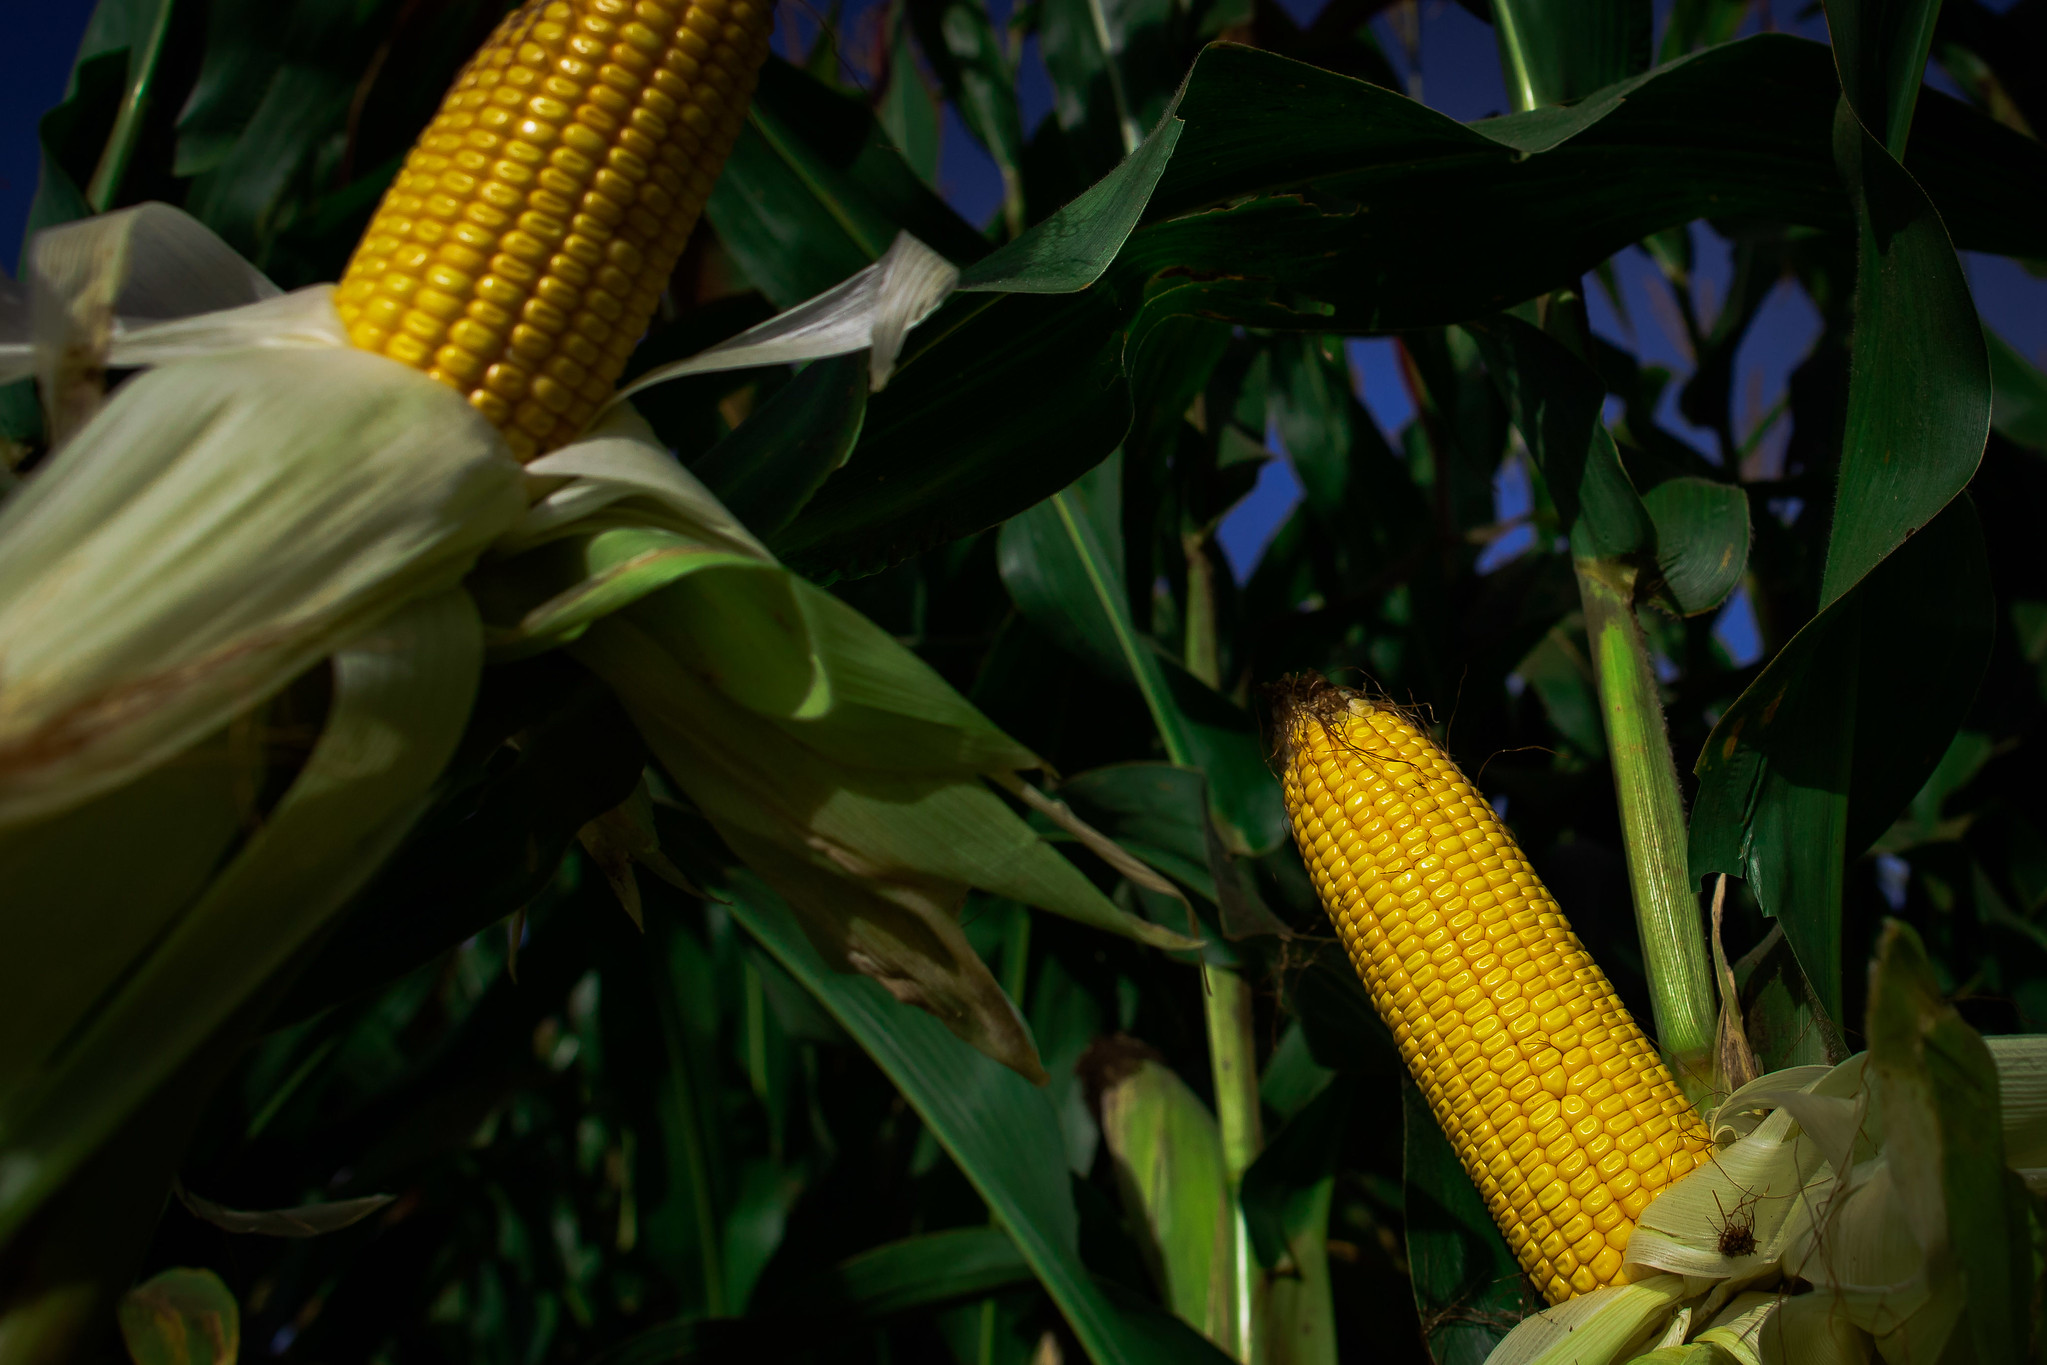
(813, 191)
(873, 823)
(220, 526)
(1774, 804)
(767, 469)
(401, 696)
(1558, 53)
(1702, 540)
(1074, 246)
(996, 1128)
(1057, 567)
(1555, 398)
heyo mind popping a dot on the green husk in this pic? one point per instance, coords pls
(1168, 1157)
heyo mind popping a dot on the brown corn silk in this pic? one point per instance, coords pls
(1557, 1105)
(523, 248)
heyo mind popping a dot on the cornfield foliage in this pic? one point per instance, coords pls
(564, 1079)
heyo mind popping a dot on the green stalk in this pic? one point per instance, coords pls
(1653, 823)
(1226, 1003)
(120, 145)
(1233, 1059)
(1514, 57)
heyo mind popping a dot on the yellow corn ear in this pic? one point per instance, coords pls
(1559, 1108)
(523, 248)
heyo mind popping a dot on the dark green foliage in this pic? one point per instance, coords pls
(691, 1142)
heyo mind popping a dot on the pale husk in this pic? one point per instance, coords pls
(221, 525)
(402, 692)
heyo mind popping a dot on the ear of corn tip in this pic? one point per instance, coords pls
(522, 249)
(1558, 1107)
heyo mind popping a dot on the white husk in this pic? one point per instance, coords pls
(218, 527)
(1593, 1329)
(1871, 1246)
(873, 311)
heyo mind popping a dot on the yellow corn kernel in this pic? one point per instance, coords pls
(1560, 1110)
(542, 211)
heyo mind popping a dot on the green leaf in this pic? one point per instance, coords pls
(1702, 539)
(401, 695)
(494, 838)
(996, 1128)
(1286, 1197)
(1556, 399)
(917, 1272)
(768, 469)
(813, 191)
(1944, 1137)
(1072, 247)
(1162, 814)
(1559, 51)
(1067, 580)
(1673, 150)
(1467, 1286)
(1919, 380)
(1560, 671)
(181, 1317)
(1167, 1154)
(115, 67)
(1818, 756)
(1880, 49)
(999, 401)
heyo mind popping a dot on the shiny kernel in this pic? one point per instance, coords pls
(474, 336)
(453, 363)
(495, 409)
(409, 350)
(507, 381)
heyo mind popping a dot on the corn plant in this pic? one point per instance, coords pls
(624, 736)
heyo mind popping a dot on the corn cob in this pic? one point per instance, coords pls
(524, 245)
(1558, 1107)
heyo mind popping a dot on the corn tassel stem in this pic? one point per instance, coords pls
(1653, 825)
(1514, 57)
(1226, 1002)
